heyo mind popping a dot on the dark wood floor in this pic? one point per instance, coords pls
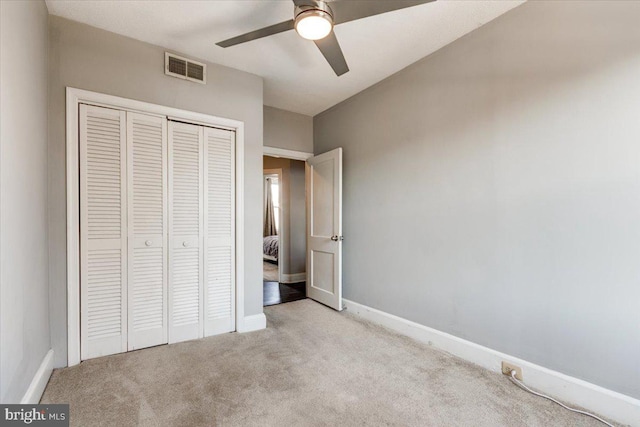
(278, 293)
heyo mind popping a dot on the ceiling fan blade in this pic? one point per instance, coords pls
(258, 34)
(330, 48)
(350, 10)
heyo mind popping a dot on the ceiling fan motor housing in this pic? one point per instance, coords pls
(317, 8)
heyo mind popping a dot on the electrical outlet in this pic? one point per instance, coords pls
(508, 367)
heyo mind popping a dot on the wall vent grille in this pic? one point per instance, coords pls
(184, 68)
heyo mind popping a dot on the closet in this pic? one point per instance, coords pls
(157, 230)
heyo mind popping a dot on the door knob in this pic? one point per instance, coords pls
(337, 238)
(185, 243)
(148, 243)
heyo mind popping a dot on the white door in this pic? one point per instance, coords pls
(103, 232)
(219, 235)
(147, 230)
(185, 231)
(324, 228)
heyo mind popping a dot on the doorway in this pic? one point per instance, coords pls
(321, 216)
(272, 227)
(284, 230)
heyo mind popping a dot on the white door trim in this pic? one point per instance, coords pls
(281, 248)
(286, 154)
(74, 98)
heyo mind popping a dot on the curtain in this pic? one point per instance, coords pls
(269, 228)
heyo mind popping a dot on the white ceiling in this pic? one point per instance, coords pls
(296, 75)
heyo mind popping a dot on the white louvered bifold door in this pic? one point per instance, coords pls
(103, 254)
(219, 236)
(185, 231)
(147, 230)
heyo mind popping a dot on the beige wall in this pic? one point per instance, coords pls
(293, 236)
(24, 276)
(284, 129)
(492, 190)
(97, 60)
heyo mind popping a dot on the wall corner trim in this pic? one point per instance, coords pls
(39, 382)
(252, 323)
(611, 404)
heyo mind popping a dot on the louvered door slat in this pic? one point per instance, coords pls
(219, 194)
(148, 249)
(185, 231)
(103, 271)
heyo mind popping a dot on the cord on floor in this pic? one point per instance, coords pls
(524, 387)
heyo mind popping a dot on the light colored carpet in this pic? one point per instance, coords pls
(311, 367)
(270, 272)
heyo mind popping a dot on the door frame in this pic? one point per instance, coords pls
(74, 97)
(291, 155)
(286, 154)
(281, 252)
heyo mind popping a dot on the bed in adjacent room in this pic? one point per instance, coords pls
(270, 248)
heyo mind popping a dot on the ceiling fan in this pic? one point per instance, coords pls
(315, 19)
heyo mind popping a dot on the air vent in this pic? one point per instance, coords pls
(184, 68)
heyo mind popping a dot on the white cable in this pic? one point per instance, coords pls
(524, 387)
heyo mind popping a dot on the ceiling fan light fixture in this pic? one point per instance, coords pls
(314, 22)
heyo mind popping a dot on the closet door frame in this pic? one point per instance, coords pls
(75, 97)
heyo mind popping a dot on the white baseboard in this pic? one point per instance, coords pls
(294, 278)
(39, 381)
(253, 323)
(616, 406)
